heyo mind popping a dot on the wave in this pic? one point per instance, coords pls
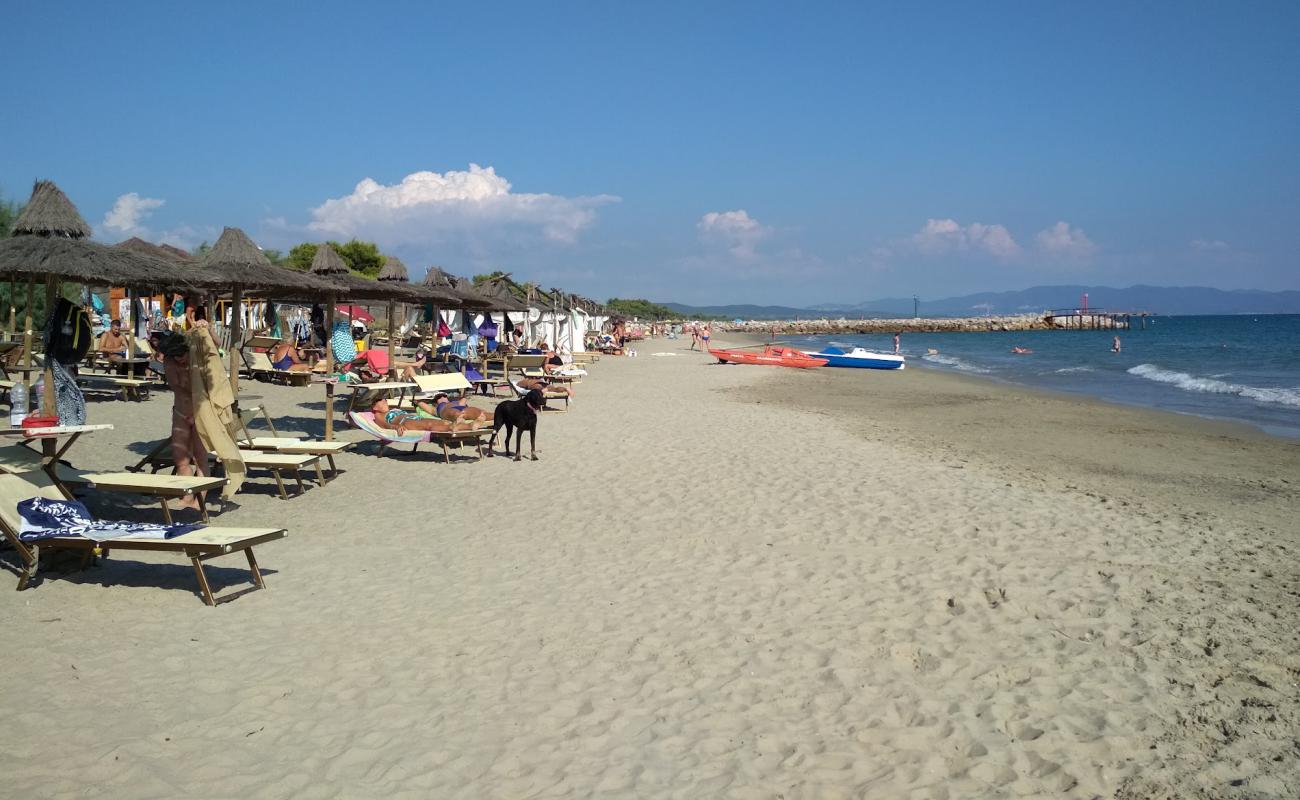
(1192, 383)
(1065, 370)
(955, 363)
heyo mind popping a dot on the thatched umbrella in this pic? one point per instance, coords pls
(463, 290)
(237, 262)
(50, 242)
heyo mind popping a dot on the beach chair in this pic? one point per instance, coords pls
(125, 388)
(198, 546)
(549, 393)
(365, 421)
(280, 465)
(453, 383)
(17, 459)
(279, 443)
(259, 365)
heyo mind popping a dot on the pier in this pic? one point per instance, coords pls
(1091, 319)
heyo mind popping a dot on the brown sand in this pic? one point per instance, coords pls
(717, 582)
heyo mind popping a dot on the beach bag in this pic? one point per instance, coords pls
(443, 330)
(68, 337)
(488, 330)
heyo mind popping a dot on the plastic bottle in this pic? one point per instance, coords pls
(17, 405)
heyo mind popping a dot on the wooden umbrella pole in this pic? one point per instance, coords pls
(392, 342)
(329, 370)
(47, 401)
(236, 311)
(13, 306)
(27, 342)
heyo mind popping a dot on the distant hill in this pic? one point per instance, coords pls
(1155, 299)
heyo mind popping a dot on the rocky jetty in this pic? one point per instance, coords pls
(812, 327)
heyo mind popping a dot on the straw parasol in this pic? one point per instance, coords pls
(462, 289)
(235, 262)
(50, 242)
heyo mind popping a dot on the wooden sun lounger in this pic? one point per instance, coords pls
(365, 421)
(282, 464)
(199, 546)
(17, 459)
(127, 388)
(260, 364)
(548, 393)
(291, 445)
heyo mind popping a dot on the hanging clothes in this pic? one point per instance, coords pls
(215, 414)
(342, 343)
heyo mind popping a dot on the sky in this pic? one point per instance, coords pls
(698, 152)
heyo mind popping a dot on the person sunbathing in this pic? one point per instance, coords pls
(286, 357)
(403, 420)
(455, 411)
(543, 385)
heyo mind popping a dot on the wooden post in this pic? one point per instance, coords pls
(236, 311)
(48, 403)
(329, 370)
(392, 342)
(13, 307)
(27, 342)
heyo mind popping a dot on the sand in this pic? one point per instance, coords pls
(718, 581)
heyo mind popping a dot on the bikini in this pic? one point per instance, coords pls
(397, 415)
(283, 363)
(454, 406)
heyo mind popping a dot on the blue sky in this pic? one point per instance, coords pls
(694, 152)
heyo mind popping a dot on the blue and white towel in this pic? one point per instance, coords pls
(44, 518)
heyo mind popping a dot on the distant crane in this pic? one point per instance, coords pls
(916, 307)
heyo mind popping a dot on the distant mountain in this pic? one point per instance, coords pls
(1155, 299)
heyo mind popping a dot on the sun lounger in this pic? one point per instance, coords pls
(126, 388)
(365, 420)
(281, 465)
(259, 364)
(279, 443)
(17, 459)
(199, 546)
(548, 393)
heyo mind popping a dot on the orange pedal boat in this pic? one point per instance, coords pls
(770, 356)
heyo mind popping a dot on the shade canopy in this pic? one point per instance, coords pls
(328, 265)
(463, 290)
(498, 291)
(159, 251)
(394, 270)
(235, 261)
(50, 241)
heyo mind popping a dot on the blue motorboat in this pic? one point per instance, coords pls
(858, 358)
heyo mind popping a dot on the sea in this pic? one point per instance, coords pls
(1243, 368)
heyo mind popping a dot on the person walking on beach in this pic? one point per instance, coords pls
(1115, 346)
(695, 335)
(704, 336)
(898, 339)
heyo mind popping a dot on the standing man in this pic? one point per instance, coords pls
(898, 338)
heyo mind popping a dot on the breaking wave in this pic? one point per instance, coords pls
(1192, 383)
(955, 363)
(1066, 370)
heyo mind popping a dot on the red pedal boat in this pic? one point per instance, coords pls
(770, 356)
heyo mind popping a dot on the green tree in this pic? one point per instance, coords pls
(202, 250)
(361, 257)
(301, 256)
(482, 279)
(9, 211)
(274, 256)
(643, 309)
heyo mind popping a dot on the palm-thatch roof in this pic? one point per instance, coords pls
(235, 261)
(464, 291)
(328, 265)
(394, 270)
(162, 252)
(50, 242)
(50, 213)
(501, 290)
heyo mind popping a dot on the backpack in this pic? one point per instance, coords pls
(68, 337)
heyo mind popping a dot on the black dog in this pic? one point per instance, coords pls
(518, 415)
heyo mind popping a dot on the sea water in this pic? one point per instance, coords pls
(1244, 368)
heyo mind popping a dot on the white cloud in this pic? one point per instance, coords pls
(1209, 246)
(1065, 241)
(128, 214)
(940, 236)
(738, 232)
(428, 208)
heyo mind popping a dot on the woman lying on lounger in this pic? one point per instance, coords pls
(284, 356)
(403, 420)
(545, 386)
(443, 407)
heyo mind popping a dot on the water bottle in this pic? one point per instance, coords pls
(17, 405)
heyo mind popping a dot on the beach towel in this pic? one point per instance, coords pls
(43, 518)
(342, 343)
(215, 416)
